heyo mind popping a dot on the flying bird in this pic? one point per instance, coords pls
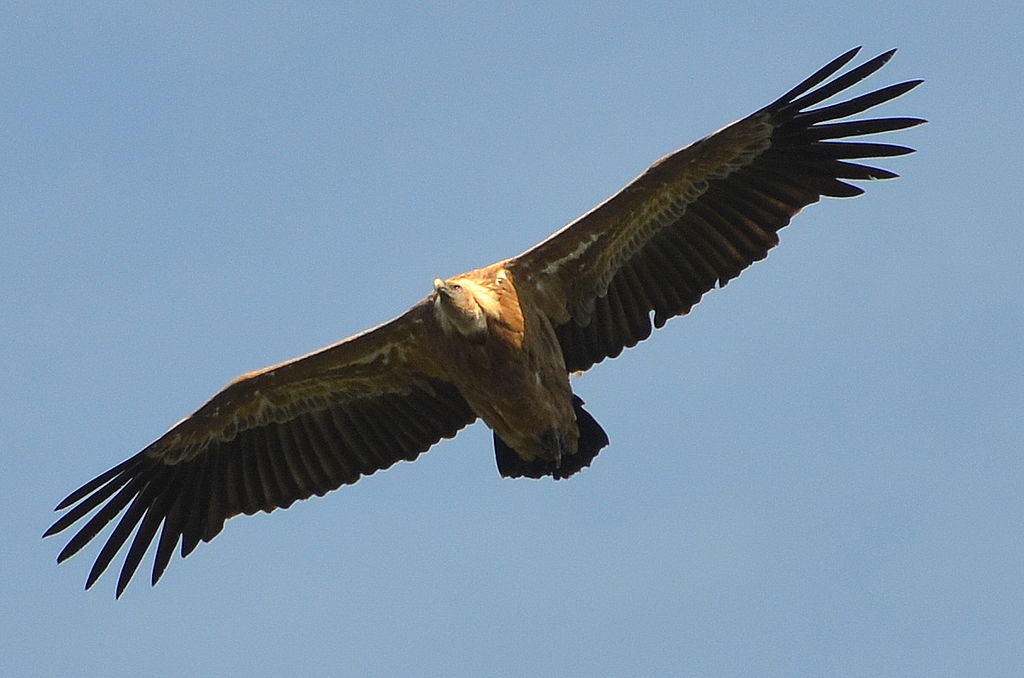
(498, 343)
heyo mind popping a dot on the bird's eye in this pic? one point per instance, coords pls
(457, 287)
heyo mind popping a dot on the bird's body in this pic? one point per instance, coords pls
(511, 373)
(498, 343)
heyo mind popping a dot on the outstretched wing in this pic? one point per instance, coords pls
(269, 438)
(702, 214)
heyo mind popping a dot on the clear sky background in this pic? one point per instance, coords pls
(818, 472)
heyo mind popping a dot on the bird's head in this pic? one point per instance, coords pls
(457, 308)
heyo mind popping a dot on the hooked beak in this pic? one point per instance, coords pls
(439, 286)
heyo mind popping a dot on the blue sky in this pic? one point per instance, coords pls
(817, 472)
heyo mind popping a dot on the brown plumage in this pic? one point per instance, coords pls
(497, 343)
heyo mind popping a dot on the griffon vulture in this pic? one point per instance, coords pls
(497, 343)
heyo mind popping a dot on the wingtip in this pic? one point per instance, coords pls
(886, 55)
(816, 78)
(157, 573)
(845, 58)
(66, 553)
(94, 574)
(881, 60)
(901, 88)
(907, 123)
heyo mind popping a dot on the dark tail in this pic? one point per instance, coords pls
(592, 440)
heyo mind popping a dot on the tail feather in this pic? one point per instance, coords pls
(592, 440)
